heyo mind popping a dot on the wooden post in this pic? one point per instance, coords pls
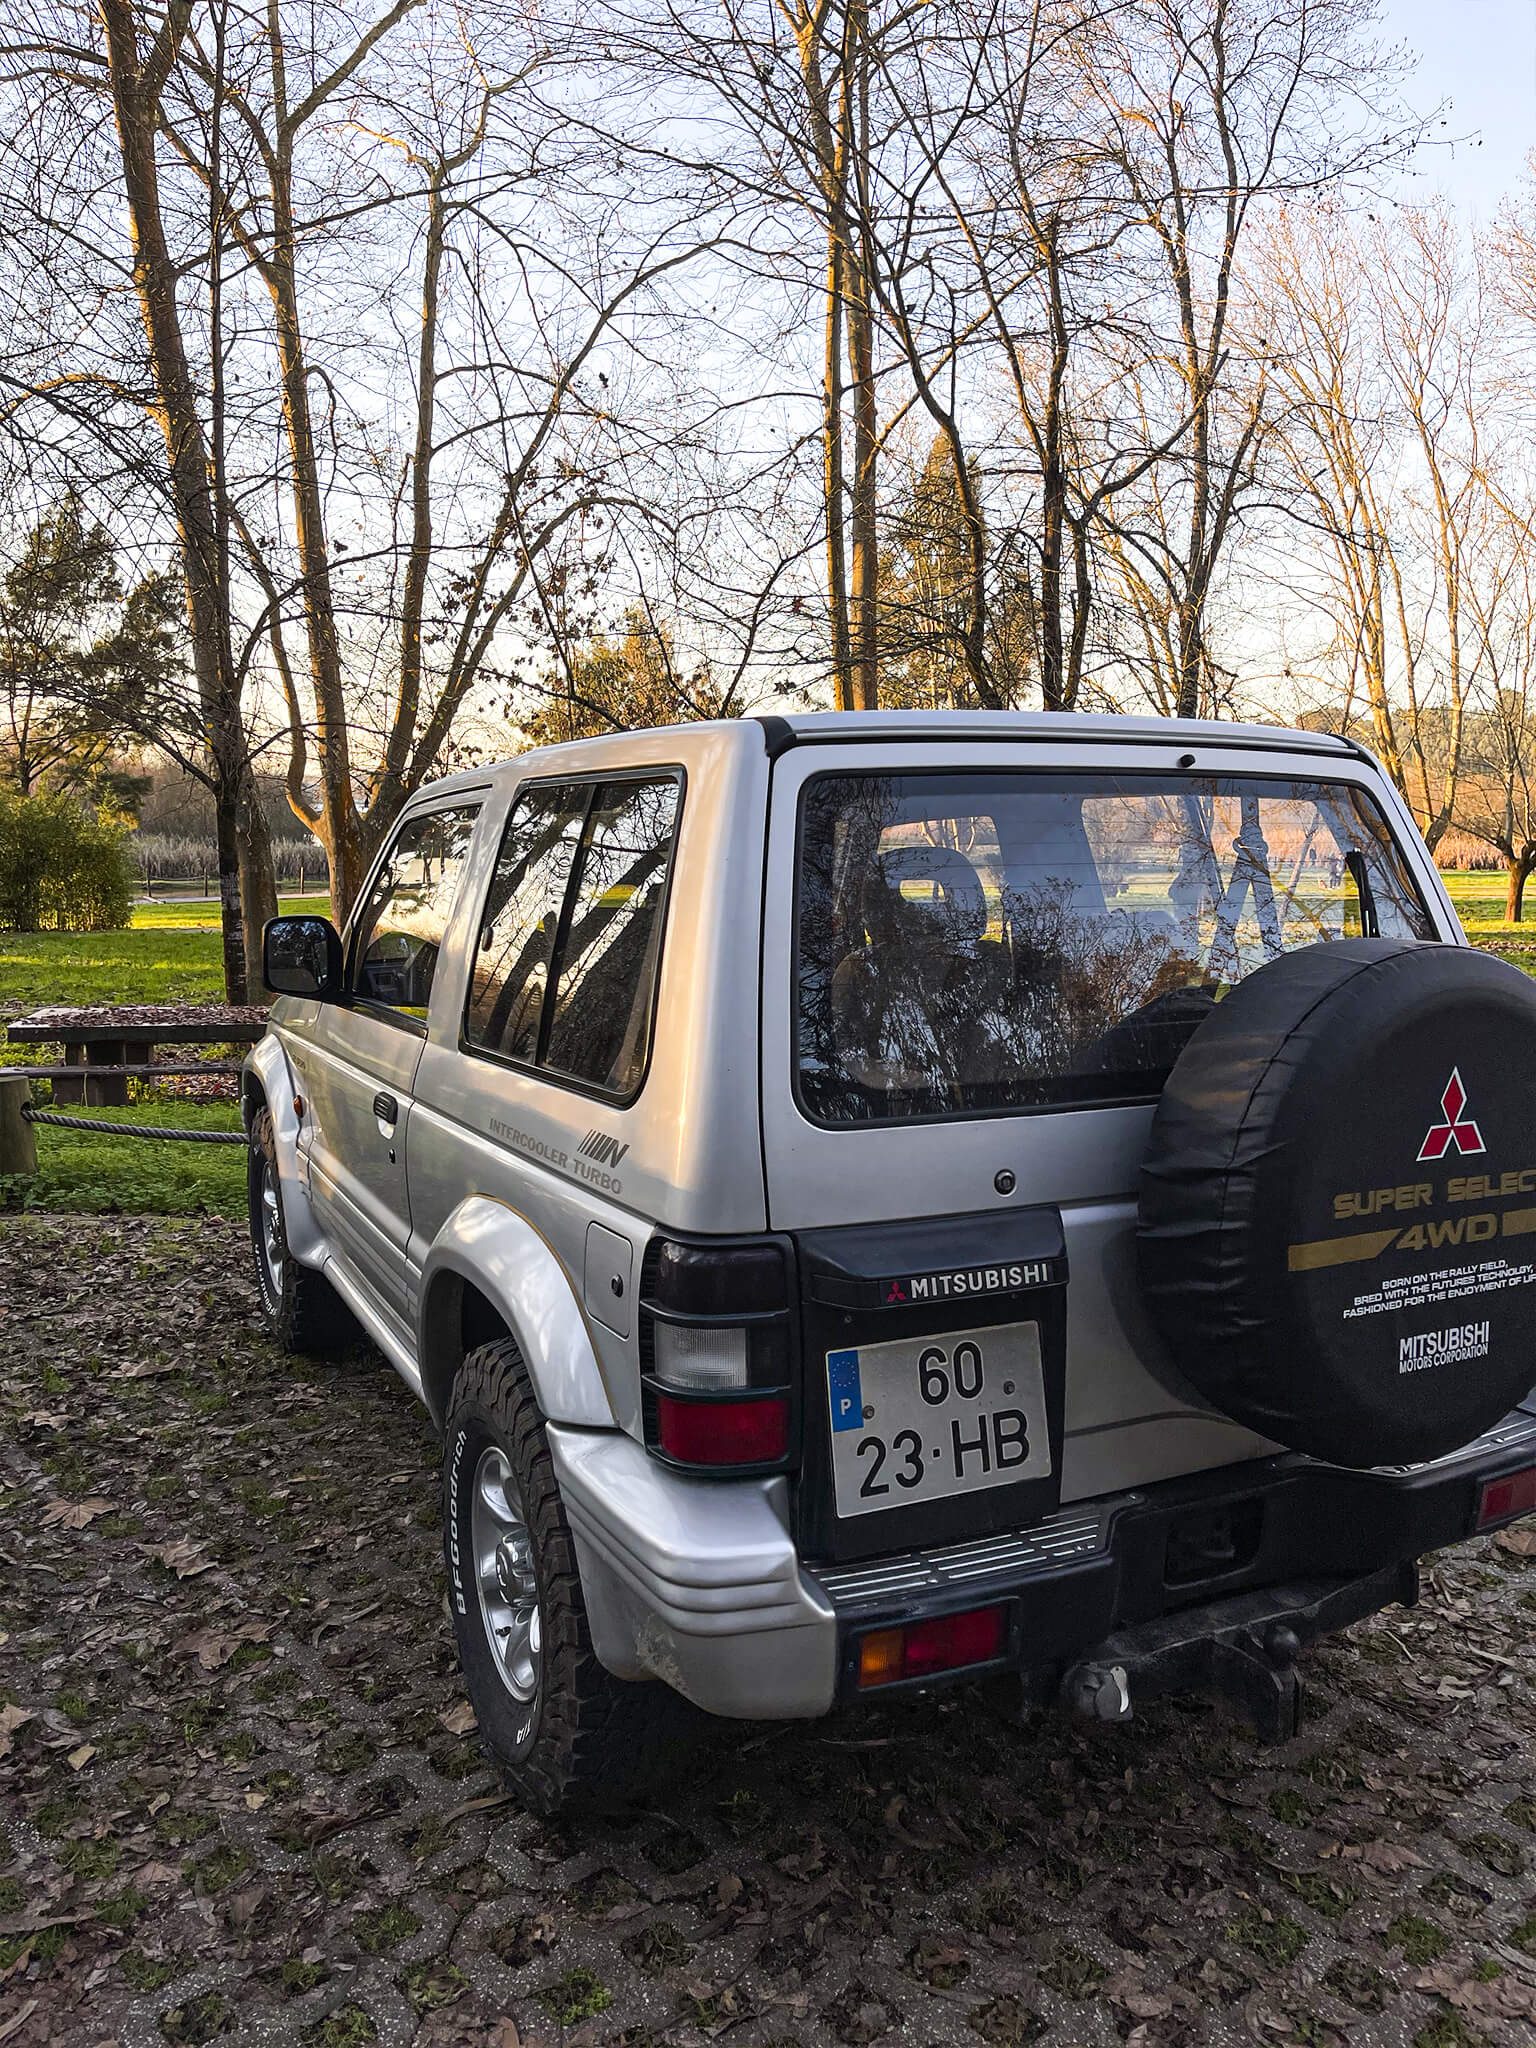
(18, 1146)
(68, 1092)
(111, 1091)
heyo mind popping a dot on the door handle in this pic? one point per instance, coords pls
(386, 1109)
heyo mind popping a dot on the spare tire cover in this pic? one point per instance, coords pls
(1337, 1232)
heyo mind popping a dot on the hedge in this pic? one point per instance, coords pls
(60, 869)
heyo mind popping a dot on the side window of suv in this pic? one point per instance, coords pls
(571, 934)
(401, 925)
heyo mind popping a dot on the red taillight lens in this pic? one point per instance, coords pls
(1501, 1498)
(889, 1654)
(722, 1432)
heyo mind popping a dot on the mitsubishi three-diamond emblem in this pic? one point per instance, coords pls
(1457, 1128)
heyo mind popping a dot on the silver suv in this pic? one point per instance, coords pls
(875, 1200)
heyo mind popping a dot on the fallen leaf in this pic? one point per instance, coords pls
(185, 1558)
(142, 1369)
(1520, 1541)
(241, 1907)
(729, 1889)
(160, 1799)
(157, 1873)
(460, 1720)
(1506, 1998)
(79, 1758)
(76, 1514)
(11, 1718)
(1389, 1857)
(46, 1418)
(213, 1647)
(255, 1801)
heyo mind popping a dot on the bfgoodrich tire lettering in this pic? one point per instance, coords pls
(584, 1739)
(301, 1309)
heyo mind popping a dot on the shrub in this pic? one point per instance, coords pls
(60, 870)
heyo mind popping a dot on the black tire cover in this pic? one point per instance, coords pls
(1337, 1233)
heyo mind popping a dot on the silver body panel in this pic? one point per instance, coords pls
(482, 1181)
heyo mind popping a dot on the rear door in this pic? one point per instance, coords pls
(979, 963)
(358, 1063)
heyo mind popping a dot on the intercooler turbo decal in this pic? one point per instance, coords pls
(1428, 1215)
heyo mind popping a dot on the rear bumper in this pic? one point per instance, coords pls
(697, 1582)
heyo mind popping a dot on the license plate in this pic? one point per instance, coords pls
(924, 1417)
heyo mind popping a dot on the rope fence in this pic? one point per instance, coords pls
(116, 1130)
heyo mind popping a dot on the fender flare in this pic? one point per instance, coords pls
(267, 1082)
(490, 1247)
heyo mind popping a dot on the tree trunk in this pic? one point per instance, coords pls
(832, 477)
(226, 826)
(864, 594)
(1518, 869)
(155, 280)
(338, 807)
(258, 881)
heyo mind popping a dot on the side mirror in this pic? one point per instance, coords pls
(301, 956)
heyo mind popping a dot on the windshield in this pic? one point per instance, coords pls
(1002, 941)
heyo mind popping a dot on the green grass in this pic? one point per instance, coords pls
(1479, 896)
(108, 967)
(89, 1174)
(201, 913)
(86, 1173)
(152, 962)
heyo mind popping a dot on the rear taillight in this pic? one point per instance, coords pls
(1501, 1499)
(750, 1432)
(924, 1648)
(716, 1336)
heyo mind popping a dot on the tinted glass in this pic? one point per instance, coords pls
(403, 921)
(998, 941)
(600, 1018)
(521, 918)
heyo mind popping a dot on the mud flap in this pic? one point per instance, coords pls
(1243, 1648)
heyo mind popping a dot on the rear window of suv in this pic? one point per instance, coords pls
(1001, 940)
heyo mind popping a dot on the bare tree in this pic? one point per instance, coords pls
(1382, 356)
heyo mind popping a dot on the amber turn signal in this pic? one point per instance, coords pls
(926, 1647)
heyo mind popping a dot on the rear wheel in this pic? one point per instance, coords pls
(301, 1309)
(564, 1733)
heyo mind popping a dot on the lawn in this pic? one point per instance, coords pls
(1479, 899)
(170, 954)
(87, 1173)
(201, 913)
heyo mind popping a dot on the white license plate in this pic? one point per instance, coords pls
(924, 1417)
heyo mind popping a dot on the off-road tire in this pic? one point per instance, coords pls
(586, 1741)
(302, 1311)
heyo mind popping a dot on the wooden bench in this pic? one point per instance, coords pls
(120, 1047)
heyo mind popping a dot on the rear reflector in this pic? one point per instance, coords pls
(722, 1432)
(889, 1654)
(1502, 1498)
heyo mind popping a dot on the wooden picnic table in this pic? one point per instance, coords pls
(120, 1040)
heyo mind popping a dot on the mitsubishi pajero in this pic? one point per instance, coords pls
(885, 1199)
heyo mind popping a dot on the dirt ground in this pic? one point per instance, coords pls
(241, 1803)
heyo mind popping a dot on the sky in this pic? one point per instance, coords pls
(1480, 56)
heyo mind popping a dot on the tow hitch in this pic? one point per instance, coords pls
(1244, 1648)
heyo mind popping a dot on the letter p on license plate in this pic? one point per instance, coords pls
(923, 1417)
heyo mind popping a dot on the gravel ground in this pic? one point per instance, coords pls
(242, 1801)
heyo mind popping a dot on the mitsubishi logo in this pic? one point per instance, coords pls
(1457, 1129)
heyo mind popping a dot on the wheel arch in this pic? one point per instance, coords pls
(267, 1083)
(490, 1273)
